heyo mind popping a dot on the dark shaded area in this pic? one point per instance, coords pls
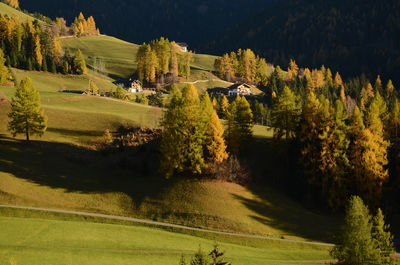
(78, 169)
(193, 22)
(352, 37)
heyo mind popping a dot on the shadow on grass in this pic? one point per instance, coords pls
(68, 132)
(278, 212)
(78, 169)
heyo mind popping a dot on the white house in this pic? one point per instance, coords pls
(241, 89)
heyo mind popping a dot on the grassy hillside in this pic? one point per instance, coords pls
(12, 12)
(100, 186)
(77, 118)
(38, 241)
(120, 56)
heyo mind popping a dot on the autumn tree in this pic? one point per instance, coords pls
(223, 107)
(12, 3)
(389, 90)
(368, 154)
(183, 134)
(214, 144)
(26, 116)
(79, 63)
(93, 89)
(4, 73)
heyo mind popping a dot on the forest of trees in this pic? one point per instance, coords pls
(33, 46)
(352, 37)
(242, 64)
(161, 57)
(345, 133)
(193, 139)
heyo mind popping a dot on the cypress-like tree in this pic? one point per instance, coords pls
(26, 117)
(284, 115)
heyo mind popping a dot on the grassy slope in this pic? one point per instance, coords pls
(119, 56)
(99, 187)
(38, 241)
(12, 12)
(64, 183)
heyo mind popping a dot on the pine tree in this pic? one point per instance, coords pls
(217, 257)
(37, 53)
(13, 3)
(382, 107)
(393, 126)
(356, 246)
(382, 238)
(240, 124)
(224, 108)
(79, 63)
(200, 258)
(26, 117)
(174, 66)
(389, 89)
(284, 114)
(378, 84)
(293, 70)
(183, 134)
(93, 89)
(368, 155)
(338, 82)
(215, 143)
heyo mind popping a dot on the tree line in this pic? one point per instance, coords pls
(242, 64)
(33, 46)
(346, 133)
(161, 57)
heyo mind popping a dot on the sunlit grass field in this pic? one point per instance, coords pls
(39, 241)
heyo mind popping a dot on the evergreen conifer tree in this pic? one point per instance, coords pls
(4, 72)
(356, 246)
(284, 114)
(26, 117)
(79, 63)
(383, 239)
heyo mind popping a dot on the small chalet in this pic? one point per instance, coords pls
(132, 86)
(240, 89)
(183, 47)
